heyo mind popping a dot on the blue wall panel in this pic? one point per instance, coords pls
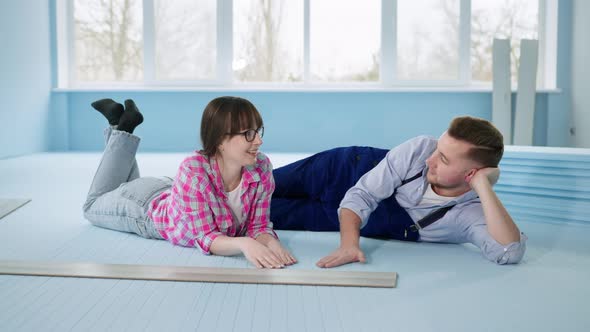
(25, 84)
(294, 121)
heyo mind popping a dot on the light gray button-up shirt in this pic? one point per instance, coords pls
(464, 223)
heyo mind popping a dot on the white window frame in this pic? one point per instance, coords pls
(547, 35)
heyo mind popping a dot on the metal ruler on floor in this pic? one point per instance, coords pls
(8, 206)
(200, 274)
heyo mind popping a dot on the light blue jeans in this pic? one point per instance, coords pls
(119, 198)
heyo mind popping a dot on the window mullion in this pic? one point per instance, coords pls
(306, 41)
(388, 42)
(71, 45)
(64, 30)
(224, 41)
(149, 43)
(547, 35)
(465, 42)
(541, 37)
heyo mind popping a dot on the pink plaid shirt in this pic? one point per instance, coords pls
(193, 212)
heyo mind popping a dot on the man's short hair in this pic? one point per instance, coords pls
(488, 143)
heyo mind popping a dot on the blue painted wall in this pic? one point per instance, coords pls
(294, 121)
(25, 77)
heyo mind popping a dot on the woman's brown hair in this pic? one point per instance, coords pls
(226, 115)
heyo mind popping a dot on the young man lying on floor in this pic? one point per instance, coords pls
(426, 189)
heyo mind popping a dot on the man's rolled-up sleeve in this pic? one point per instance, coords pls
(511, 253)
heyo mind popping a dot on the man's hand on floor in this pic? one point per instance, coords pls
(341, 256)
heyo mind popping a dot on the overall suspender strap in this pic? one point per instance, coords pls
(411, 179)
(431, 217)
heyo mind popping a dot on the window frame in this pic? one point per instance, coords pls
(65, 30)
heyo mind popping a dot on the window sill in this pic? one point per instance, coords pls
(308, 89)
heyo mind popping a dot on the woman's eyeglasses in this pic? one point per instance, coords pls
(250, 134)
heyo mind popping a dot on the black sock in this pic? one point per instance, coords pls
(131, 118)
(110, 109)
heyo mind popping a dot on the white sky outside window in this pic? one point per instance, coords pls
(268, 40)
(345, 37)
(428, 39)
(185, 39)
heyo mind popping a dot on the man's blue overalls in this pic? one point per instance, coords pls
(308, 193)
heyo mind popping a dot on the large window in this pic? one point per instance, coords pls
(297, 43)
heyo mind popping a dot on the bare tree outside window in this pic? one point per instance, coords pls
(108, 40)
(507, 19)
(422, 55)
(185, 39)
(268, 40)
(428, 39)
